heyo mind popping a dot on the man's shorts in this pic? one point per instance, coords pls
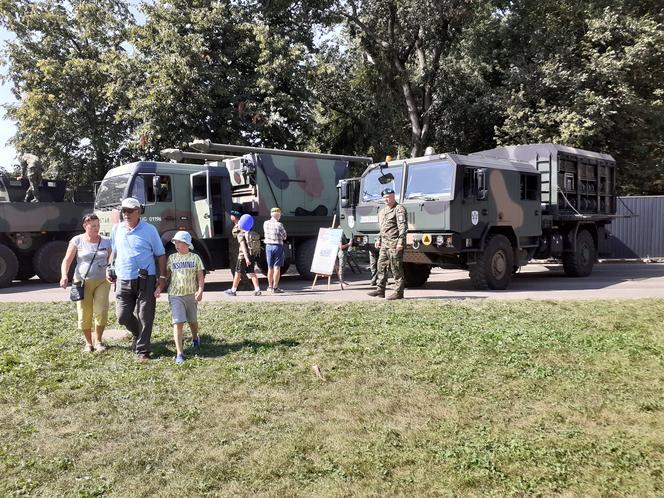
(183, 308)
(244, 268)
(275, 255)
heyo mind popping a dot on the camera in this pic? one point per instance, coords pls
(110, 273)
(142, 273)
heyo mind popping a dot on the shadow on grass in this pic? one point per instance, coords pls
(213, 348)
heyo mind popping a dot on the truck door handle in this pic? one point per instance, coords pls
(206, 216)
(485, 212)
(169, 218)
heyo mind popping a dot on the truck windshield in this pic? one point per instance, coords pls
(111, 191)
(430, 181)
(372, 188)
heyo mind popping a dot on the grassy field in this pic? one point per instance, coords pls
(417, 398)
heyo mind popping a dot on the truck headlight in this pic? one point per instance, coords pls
(439, 240)
(365, 240)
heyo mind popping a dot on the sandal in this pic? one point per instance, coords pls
(88, 348)
(99, 347)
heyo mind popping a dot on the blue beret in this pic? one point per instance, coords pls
(387, 190)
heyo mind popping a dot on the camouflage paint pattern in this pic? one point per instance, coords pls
(457, 215)
(305, 190)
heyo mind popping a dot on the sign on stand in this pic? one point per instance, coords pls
(325, 255)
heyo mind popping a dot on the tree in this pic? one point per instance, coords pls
(406, 40)
(587, 77)
(215, 69)
(66, 66)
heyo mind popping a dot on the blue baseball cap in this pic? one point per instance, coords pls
(388, 190)
(183, 236)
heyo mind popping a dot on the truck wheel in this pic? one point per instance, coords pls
(26, 269)
(493, 269)
(47, 261)
(415, 275)
(580, 262)
(8, 265)
(304, 256)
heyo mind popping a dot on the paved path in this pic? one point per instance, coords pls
(537, 281)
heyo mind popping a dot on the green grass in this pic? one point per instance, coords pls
(419, 398)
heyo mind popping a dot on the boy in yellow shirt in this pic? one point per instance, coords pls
(186, 272)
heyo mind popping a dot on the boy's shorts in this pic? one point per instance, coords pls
(244, 268)
(184, 309)
(274, 254)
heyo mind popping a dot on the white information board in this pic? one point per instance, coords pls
(327, 247)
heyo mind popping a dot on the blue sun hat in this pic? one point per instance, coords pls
(388, 190)
(183, 236)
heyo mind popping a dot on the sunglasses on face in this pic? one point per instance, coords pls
(127, 210)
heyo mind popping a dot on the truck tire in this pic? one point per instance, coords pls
(304, 256)
(580, 262)
(47, 261)
(493, 269)
(8, 265)
(415, 275)
(26, 268)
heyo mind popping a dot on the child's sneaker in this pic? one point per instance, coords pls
(196, 343)
(230, 292)
(278, 290)
(257, 293)
(179, 359)
(270, 290)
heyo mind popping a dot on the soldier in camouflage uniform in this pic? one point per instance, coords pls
(31, 167)
(393, 221)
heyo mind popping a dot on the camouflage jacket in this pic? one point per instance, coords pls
(31, 165)
(393, 226)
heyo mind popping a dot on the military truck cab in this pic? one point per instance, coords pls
(175, 197)
(483, 212)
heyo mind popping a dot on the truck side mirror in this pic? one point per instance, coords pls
(386, 178)
(480, 177)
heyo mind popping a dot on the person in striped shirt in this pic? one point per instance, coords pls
(275, 234)
(187, 278)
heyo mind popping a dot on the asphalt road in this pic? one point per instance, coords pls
(537, 281)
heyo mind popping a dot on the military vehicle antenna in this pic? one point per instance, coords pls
(206, 145)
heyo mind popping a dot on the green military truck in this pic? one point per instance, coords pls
(198, 198)
(490, 212)
(34, 236)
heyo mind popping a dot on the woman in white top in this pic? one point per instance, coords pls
(92, 252)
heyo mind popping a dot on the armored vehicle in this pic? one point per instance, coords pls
(34, 236)
(198, 198)
(490, 212)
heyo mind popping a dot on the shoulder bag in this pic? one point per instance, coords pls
(77, 290)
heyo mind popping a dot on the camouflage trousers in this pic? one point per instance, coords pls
(390, 259)
(33, 189)
(341, 256)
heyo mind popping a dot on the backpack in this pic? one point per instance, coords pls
(253, 243)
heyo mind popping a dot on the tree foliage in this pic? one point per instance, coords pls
(67, 67)
(347, 76)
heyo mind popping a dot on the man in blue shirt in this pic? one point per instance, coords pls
(136, 245)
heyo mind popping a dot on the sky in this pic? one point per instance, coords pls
(7, 127)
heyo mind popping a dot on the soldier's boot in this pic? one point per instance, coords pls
(377, 293)
(394, 295)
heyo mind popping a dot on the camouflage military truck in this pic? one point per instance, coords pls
(490, 212)
(34, 236)
(198, 198)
